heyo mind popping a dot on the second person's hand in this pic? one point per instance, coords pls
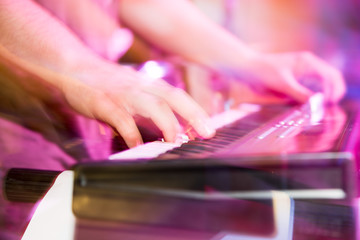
(282, 73)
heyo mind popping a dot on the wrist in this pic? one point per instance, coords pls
(242, 62)
(73, 62)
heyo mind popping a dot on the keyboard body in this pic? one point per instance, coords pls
(312, 149)
(311, 156)
(267, 131)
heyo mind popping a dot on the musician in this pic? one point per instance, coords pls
(71, 49)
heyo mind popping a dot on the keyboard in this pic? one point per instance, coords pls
(234, 127)
(154, 149)
(258, 130)
(311, 146)
(305, 151)
(316, 220)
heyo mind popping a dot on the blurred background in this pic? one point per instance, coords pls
(34, 137)
(329, 28)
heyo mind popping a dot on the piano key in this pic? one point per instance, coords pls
(227, 135)
(154, 149)
(183, 152)
(234, 132)
(208, 145)
(198, 147)
(145, 151)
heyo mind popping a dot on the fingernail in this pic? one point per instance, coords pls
(205, 129)
(134, 143)
(210, 132)
(139, 142)
(181, 138)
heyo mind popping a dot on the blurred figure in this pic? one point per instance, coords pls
(330, 29)
(70, 48)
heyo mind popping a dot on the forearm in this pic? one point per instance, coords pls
(52, 57)
(34, 35)
(179, 28)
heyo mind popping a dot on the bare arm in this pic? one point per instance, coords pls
(94, 87)
(179, 28)
(34, 35)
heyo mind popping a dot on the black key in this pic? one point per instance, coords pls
(198, 147)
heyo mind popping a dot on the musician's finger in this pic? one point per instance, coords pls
(188, 109)
(294, 89)
(184, 105)
(157, 110)
(106, 110)
(334, 86)
(339, 88)
(164, 118)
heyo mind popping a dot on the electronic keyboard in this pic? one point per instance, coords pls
(265, 130)
(312, 146)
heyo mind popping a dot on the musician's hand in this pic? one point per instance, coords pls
(115, 94)
(283, 73)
